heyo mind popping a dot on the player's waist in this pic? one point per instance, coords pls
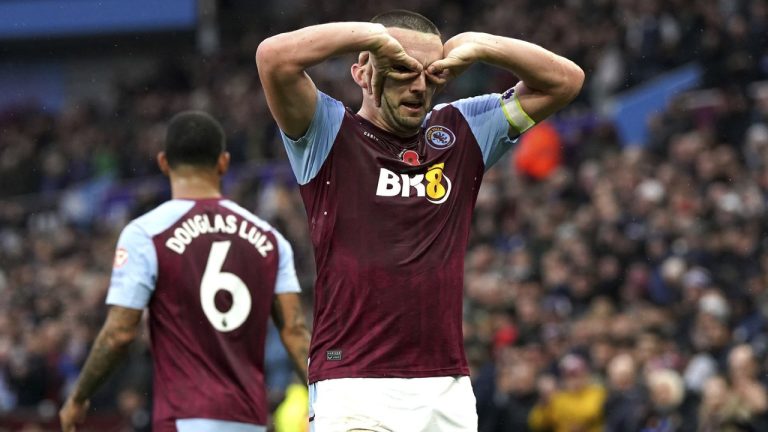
(451, 371)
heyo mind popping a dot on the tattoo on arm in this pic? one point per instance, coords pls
(108, 350)
(277, 314)
(301, 349)
(289, 319)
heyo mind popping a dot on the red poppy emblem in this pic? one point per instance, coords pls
(411, 157)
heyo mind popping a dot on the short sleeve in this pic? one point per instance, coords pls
(308, 153)
(494, 128)
(134, 271)
(286, 281)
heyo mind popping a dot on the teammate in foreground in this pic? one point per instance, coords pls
(209, 271)
(389, 193)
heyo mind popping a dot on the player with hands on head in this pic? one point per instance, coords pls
(209, 272)
(389, 192)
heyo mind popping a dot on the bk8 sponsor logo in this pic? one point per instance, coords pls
(434, 185)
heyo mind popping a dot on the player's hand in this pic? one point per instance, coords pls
(72, 414)
(459, 53)
(389, 60)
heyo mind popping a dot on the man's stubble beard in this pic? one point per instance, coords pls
(405, 125)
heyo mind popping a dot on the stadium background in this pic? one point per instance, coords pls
(629, 230)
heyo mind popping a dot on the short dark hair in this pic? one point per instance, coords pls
(408, 20)
(194, 138)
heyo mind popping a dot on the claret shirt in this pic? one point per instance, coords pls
(389, 219)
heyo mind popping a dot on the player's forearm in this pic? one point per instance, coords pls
(289, 320)
(298, 50)
(539, 69)
(107, 352)
(296, 342)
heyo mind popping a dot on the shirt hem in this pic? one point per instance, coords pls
(322, 376)
(171, 421)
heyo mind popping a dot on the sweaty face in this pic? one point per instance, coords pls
(405, 102)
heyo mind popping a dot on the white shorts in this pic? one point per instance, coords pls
(209, 425)
(438, 404)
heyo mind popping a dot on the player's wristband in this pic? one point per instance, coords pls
(514, 112)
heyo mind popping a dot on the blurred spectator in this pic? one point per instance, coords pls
(539, 152)
(514, 399)
(743, 374)
(720, 410)
(626, 398)
(292, 414)
(665, 411)
(577, 405)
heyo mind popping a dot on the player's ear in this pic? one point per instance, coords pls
(162, 163)
(359, 70)
(223, 163)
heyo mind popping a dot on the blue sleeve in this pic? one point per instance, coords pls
(489, 124)
(308, 153)
(286, 282)
(134, 271)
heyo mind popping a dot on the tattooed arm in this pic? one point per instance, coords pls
(119, 330)
(289, 319)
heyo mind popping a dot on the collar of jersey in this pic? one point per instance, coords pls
(397, 143)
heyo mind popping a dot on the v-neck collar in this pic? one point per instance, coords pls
(395, 142)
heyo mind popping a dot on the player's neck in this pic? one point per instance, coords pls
(197, 186)
(376, 119)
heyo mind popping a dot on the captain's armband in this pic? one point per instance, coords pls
(513, 111)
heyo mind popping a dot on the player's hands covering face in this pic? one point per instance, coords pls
(458, 54)
(388, 61)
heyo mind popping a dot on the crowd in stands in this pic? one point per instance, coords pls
(624, 290)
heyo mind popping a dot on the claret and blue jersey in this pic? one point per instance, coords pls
(389, 219)
(208, 271)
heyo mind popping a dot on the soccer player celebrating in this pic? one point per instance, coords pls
(389, 193)
(209, 271)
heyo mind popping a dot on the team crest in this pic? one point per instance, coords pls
(410, 157)
(121, 257)
(439, 137)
